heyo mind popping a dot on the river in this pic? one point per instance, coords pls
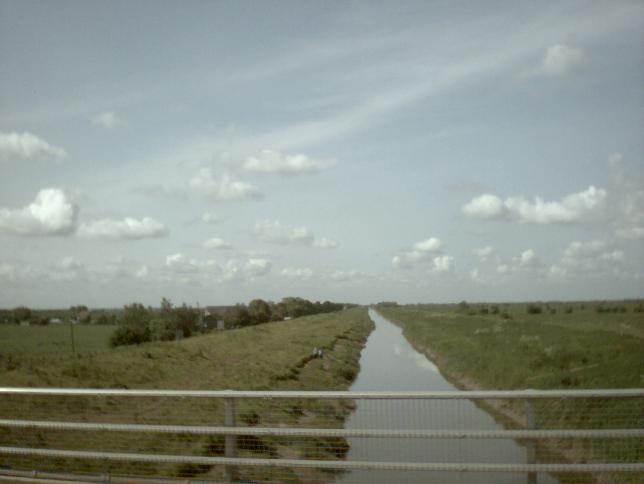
(389, 363)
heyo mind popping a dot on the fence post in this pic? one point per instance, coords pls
(531, 449)
(231, 440)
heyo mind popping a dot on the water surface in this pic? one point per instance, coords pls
(389, 363)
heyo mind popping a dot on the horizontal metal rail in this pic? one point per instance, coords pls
(313, 432)
(333, 395)
(326, 464)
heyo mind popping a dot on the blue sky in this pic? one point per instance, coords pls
(215, 152)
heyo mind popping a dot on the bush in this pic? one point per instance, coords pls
(134, 326)
(534, 309)
(129, 335)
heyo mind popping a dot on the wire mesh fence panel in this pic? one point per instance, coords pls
(446, 437)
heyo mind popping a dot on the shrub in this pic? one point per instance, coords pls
(533, 309)
(129, 335)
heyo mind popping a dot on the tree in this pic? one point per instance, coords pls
(186, 318)
(260, 311)
(237, 317)
(20, 314)
(134, 326)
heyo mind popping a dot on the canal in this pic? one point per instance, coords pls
(389, 363)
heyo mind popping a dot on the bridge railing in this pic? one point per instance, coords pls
(280, 436)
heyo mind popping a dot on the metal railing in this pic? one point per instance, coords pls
(278, 436)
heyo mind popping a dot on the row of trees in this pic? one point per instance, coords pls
(138, 324)
(259, 311)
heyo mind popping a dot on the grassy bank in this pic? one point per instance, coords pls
(556, 349)
(273, 356)
(516, 350)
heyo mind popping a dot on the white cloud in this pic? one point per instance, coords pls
(325, 243)
(430, 245)
(483, 253)
(503, 269)
(27, 146)
(443, 263)
(351, 275)
(223, 188)
(128, 228)
(421, 252)
(302, 273)
(51, 213)
(629, 222)
(108, 119)
(573, 208)
(559, 60)
(527, 257)
(274, 232)
(269, 161)
(181, 264)
(210, 218)
(216, 243)
(485, 206)
(142, 273)
(257, 267)
(595, 256)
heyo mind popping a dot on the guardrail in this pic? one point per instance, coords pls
(277, 436)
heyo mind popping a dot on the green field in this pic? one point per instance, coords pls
(38, 346)
(271, 356)
(558, 348)
(516, 350)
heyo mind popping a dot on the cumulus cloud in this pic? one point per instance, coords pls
(485, 206)
(274, 232)
(216, 243)
(573, 208)
(302, 273)
(51, 213)
(420, 252)
(559, 60)
(443, 263)
(269, 161)
(209, 270)
(430, 245)
(108, 119)
(629, 221)
(527, 258)
(223, 188)
(257, 267)
(27, 146)
(483, 253)
(128, 228)
(591, 256)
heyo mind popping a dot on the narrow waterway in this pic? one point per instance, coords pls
(389, 363)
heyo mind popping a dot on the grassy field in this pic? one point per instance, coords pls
(39, 346)
(565, 346)
(517, 350)
(270, 356)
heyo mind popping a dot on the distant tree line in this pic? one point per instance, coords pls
(138, 324)
(259, 311)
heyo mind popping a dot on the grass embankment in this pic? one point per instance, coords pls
(550, 350)
(272, 356)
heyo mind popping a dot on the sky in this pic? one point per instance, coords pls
(216, 152)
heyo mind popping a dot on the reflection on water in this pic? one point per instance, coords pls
(389, 363)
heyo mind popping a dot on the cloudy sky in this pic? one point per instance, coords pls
(214, 152)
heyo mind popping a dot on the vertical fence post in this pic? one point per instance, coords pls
(231, 440)
(531, 449)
